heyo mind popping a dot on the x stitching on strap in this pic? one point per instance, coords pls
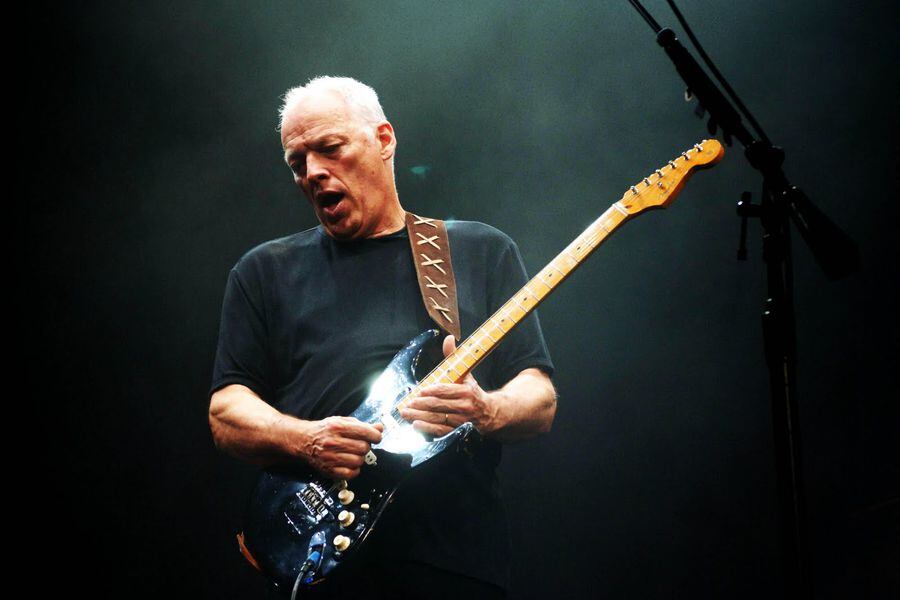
(424, 221)
(443, 309)
(437, 286)
(436, 263)
(427, 240)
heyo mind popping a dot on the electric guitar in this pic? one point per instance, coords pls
(302, 528)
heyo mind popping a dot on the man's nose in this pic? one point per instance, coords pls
(315, 168)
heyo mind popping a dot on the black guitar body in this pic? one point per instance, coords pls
(297, 520)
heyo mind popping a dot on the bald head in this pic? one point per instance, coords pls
(360, 98)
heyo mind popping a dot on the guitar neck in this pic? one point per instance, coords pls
(655, 191)
(484, 339)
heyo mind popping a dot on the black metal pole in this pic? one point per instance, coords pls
(835, 252)
(780, 352)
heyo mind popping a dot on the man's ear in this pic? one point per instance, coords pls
(385, 135)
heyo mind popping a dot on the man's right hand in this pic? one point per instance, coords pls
(336, 446)
(245, 426)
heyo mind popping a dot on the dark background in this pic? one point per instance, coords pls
(150, 163)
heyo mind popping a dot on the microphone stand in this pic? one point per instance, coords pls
(780, 204)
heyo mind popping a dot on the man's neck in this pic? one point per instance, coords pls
(392, 222)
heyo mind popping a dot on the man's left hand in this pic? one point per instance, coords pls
(439, 409)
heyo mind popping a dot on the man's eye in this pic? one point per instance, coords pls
(330, 148)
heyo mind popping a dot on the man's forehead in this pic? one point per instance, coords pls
(315, 115)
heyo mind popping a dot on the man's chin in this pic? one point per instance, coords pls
(341, 230)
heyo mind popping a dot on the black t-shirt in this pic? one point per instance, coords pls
(308, 323)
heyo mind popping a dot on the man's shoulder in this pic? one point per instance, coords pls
(477, 232)
(272, 253)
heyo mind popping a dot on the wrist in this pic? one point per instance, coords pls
(291, 436)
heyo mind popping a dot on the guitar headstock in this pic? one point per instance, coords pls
(659, 189)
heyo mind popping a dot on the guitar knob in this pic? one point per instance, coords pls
(346, 497)
(341, 542)
(346, 518)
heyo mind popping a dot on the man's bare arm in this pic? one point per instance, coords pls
(526, 406)
(247, 427)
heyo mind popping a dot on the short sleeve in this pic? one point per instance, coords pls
(242, 355)
(524, 346)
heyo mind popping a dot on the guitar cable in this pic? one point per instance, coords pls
(313, 558)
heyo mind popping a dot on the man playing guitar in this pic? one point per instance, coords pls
(308, 320)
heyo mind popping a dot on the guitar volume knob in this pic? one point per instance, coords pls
(346, 518)
(346, 497)
(341, 542)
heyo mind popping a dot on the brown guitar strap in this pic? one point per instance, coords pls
(434, 270)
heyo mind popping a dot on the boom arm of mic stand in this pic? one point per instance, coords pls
(709, 96)
(835, 252)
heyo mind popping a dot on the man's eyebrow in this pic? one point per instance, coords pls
(323, 139)
(290, 155)
(328, 137)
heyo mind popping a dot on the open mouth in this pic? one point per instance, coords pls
(329, 199)
(331, 205)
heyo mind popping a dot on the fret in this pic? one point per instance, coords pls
(487, 333)
(523, 309)
(459, 358)
(540, 278)
(568, 255)
(553, 266)
(497, 325)
(513, 316)
(533, 294)
(466, 350)
(582, 244)
(507, 316)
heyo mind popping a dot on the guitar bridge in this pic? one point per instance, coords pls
(316, 501)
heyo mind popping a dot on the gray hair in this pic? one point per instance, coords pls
(356, 94)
